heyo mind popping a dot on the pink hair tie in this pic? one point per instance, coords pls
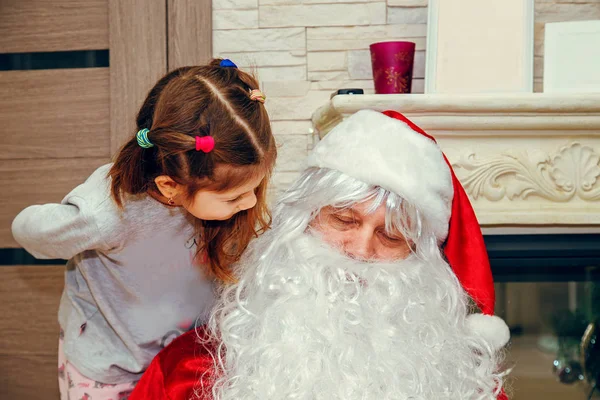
(205, 143)
(257, 95)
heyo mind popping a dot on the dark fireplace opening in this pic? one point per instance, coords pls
(548, 292)
(544, 258)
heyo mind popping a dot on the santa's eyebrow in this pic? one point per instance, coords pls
(346, 210)
(336, 210)
(396, 234)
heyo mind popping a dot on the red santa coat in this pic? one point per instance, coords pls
(175, 372)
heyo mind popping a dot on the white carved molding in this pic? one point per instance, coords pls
(516, 173)
(524, 159)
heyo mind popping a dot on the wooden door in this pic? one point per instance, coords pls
(73, 74)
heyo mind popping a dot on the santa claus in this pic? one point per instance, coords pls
(373, 283)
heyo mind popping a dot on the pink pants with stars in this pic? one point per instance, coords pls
(74, 386)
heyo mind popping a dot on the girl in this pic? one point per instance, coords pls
(147, 236)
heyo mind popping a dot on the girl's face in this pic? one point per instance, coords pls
(209, 205)
(206, 204)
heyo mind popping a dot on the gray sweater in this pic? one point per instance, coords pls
(131, 285)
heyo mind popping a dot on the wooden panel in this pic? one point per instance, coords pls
(28, 182)
(53, 25)
(30, 295)
(190, 32)
(54, 113)
(29, 376)
(29, 331)
(138, 59)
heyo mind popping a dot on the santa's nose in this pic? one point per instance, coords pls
(360, 245)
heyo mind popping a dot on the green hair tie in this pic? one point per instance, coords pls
(142, 138)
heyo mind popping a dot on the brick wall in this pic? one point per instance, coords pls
(305, 49)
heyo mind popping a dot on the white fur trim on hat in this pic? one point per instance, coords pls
(383, 151)
(492, 328)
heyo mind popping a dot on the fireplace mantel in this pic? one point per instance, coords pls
(526, 160)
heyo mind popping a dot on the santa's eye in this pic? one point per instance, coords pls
(343, 220)
(391, 239)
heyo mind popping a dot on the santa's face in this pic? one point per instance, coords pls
(360, 234)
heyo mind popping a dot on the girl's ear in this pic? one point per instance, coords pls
(168, 187)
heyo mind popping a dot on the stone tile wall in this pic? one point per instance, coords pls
(302, 50)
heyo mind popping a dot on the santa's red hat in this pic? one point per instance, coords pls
(387, 150)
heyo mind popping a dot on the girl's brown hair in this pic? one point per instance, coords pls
(201, 101)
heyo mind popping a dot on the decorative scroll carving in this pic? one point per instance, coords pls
(574, 170)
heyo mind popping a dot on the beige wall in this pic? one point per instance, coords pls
(305, 49)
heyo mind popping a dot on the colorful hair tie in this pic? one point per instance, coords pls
(142, 138)
(227, 63)
(257, 95)
(205, 143)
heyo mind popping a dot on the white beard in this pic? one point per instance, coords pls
(305, 322)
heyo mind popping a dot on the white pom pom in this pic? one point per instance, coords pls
(492, 328)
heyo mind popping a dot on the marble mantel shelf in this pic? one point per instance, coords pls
(525, 159)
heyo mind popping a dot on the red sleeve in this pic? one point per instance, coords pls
(175, 372)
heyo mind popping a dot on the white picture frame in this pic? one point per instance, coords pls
(476, 46)
(572, 57)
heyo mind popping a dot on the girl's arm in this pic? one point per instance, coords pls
(57, 230)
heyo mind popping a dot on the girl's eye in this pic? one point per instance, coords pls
(234, 200)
